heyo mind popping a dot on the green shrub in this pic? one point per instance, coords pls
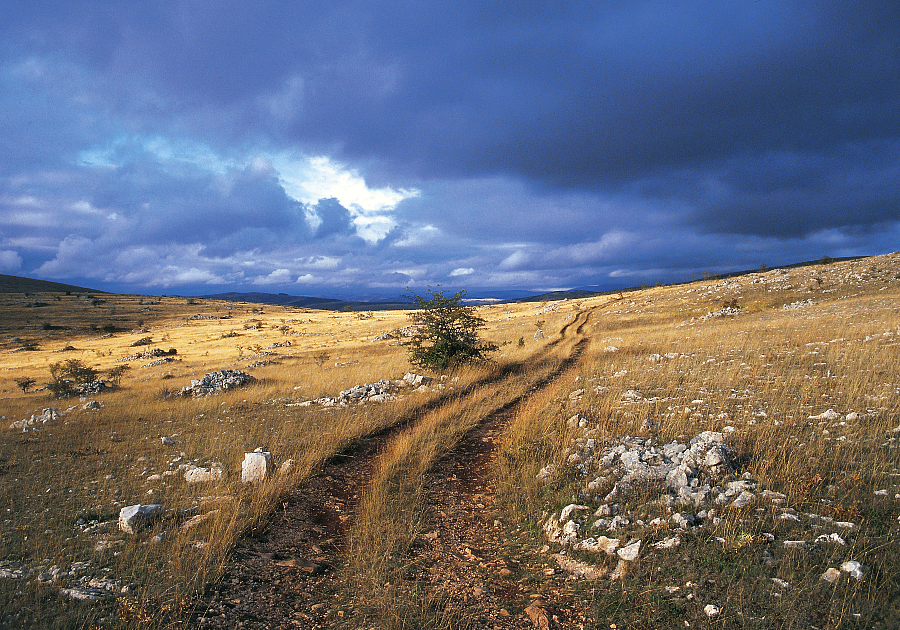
(446, 332)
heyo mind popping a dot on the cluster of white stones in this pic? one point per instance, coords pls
(684, 485)
(216, 382)
(381, 391)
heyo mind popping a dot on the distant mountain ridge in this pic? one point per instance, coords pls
(17, 284)
(302, 301)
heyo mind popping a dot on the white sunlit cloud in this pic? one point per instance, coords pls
(10, 260)
(279, 276)
(309, 179)
(304, 178)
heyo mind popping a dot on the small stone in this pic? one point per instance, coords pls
(711, 610)
(831, 538)
(538, 617)
(199, 475)
(831, 575)
(667, 543)
(630, 552)
(569, 509)
(781, 583)
(831, 414)
(854, 568)
(598, 545)
(167, 441)
(743, 499)
(136, 517)
(621, 570)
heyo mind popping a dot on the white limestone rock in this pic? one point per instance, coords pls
(854, 568)
(136, 517)
(256, 466)
(196, 474)
(630, 552)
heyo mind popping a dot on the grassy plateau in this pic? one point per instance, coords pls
(798, 368)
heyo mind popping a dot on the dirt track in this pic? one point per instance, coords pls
(286, 575)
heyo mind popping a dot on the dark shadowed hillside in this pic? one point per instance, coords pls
(16, 284)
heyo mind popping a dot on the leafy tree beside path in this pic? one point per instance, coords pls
(446, 332)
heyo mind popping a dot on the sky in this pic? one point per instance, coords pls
(360, 147)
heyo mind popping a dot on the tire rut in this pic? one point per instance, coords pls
(464, 557)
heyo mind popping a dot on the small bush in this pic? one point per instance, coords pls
(447, 332)
(24, 383)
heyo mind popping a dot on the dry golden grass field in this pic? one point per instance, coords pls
(799, 376)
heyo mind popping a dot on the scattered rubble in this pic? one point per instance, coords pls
(149, 354)
(722, 312)
(687, 485)
(381, 391)
(36, 421)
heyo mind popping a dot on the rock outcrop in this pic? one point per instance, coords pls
(216, 382)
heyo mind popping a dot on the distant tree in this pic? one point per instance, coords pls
(24, 382)
(446, 332)
(67, 373)
(73, 370)
(116, 374)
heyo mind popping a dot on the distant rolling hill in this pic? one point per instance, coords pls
(16, 284)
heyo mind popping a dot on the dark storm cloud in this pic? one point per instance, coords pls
(553, 140)
(241, 208)
(335, 218)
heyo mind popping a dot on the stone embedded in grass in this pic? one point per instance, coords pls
(85, 594)
(831, 414)
(831, 576)
(195, 474)
(683, 520)
(743, 499)
(136, 517)
(781, 583)
(854, 568)
(580, 569)
(197, 520)
(711, 610)
(256, 466)
(630, 552)
(831, 538)
(569, 509)
(667, 543)
(601, 544)
(547, 472)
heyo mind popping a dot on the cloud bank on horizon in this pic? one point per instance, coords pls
(314, 147)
